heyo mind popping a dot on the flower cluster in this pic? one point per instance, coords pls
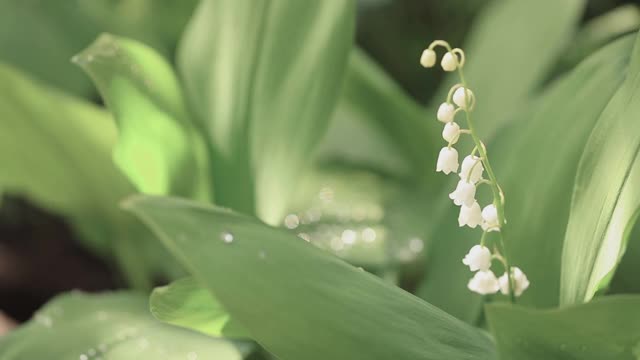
(491, 217)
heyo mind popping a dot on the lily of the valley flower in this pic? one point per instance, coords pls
(447, 160)
(461, 96)
(470, 216)
(446, 112)
(520, 282)
(484, 282)
(471, 169)
(478, 258)
(490, 218)
(449, 62)
(464, 194)
(451, 132)
(428, 58)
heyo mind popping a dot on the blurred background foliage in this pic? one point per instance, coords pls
(375, 190)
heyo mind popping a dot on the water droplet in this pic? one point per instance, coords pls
(262, 254)
(102, 315)
(84, 357)
(192, 356)
(305, 237)
(369, 235)
(91, 352)
(45, 320)
(291, 221)
(349, 237)
(103, 348)
(416, 245)
(227, 237)
(336, 243)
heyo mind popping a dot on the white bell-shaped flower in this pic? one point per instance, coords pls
(520, 282)
(451, 132)
(478, 258)
(461, 96)
(471, 169)
(490, 218)
(464, 194)
(449, 62)
(428, 58)
(446, 112)
(484, 282)
(447, 160)
(470, 216)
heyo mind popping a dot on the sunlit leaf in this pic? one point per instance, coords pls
(608, 328)
(606, 199)
(263, 78)
(188, 304)
(110, 326)
(158, 146)
(299, 301)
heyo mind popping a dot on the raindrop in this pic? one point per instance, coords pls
(304, 236)
(91, 352)
(369, 235)
(349, 237)
(262, 254)
(103, 348)
(84, 357)
(337, 244)
(416, 245)
(192, 356)
(227, 237)
(291, 221)
(326, 194)
(45, 320)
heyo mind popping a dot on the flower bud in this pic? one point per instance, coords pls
(470, 215)
(447, 160)
(464, 194)
(484, 282)
(451, 132)
(449, 62)
(490, 218)
(478, 258)
(471, 169)
(446, 112)
(520, 282)
(461, 96)
(428, 58)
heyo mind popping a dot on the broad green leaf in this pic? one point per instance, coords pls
(535, 161)
(608, 328)
(509, 54)
(298, 301)
(188, 304)
(389, 125)
(599, 31)
(55, 150)
(158, 146)
(606, 199)
(263, 78)
(110, 326)
(61, 28)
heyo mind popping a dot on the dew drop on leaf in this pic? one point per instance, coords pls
(192, 356)
(227, 237)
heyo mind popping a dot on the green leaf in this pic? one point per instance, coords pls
(158, 147)
(109, 326)
(509, 54)
(606, 199)
(62, 28)
(188, 304)
(299, 301)
(390, 126)
(608, 328)
(74, 178)
(263, 78)
(535, 161)
(599, 31)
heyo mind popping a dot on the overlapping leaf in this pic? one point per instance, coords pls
(606, 199)
(608, 328)
(110, 326)
(337, 312)
(158, 147)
